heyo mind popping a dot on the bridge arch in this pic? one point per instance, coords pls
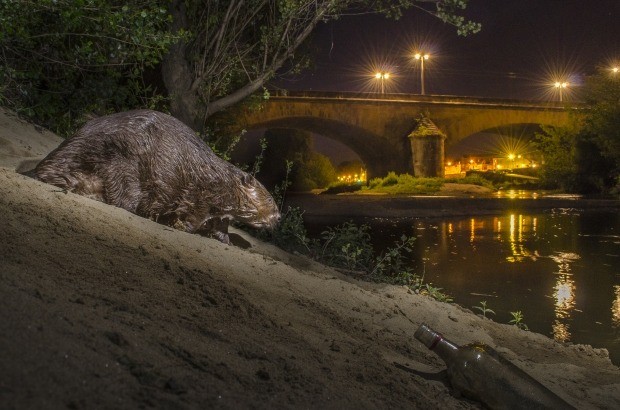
(377, 126)
(379, 154)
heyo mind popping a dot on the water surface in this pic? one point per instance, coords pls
(560, 268)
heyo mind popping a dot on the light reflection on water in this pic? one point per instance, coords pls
(560, 269)
(615, 307)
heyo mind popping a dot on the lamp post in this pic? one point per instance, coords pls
(421, 57)
(560, 86)
(382, 76)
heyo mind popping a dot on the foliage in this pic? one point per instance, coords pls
(483, 308)
(474, 179)
(238, 45)
(309, 169)
(602, 122)
(559, 149)
(392, 262)
(599, 139)
(517, 320)
(316, 171)
(585, 156)
(279, 191)
(291, 234)
(347, 246)
(404, 184)
(61, 60)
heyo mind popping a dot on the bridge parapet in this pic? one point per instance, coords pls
(377, 126)
(423, 99)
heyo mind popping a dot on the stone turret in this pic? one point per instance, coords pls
(427, 149)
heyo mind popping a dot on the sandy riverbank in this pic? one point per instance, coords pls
(104, 309)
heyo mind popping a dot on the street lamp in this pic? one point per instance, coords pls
(421, 57)
(382, 76)
(560, 86)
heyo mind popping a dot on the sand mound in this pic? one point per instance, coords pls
(104, 309)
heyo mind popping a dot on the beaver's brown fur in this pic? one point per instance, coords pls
(151, 164)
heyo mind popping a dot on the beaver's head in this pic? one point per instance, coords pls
(256, 205)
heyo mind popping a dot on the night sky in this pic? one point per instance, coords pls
(523, 47)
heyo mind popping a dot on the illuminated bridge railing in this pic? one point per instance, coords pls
(423, 99)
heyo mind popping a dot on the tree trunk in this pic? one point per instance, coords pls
(178, 77)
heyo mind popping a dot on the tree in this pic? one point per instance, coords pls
(585, 156)
(602, 119)
(80, 56)
(559, 150)
(316, 172)
(310, 169)
(237, 45)
(60, 59)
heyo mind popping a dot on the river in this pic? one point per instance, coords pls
(559, 267)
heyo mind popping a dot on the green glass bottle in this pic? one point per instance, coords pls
(478, 372)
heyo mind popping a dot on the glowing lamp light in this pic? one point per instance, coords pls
(560, 86)
(421, 57)
(382, 76)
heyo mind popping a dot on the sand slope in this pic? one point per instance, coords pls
(104, 309)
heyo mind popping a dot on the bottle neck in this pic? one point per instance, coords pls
(436, 342)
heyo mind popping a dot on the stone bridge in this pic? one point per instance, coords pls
(380, 128)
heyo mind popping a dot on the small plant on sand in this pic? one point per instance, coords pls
(517, 320)
(279, 191)
(346, 246)
(435, 293)
(393, 262)
(483, 308)
(291, 234)
(258, 161)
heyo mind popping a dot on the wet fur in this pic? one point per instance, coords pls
(151, 164)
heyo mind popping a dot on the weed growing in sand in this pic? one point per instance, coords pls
(346, 246)
(483, 308)
(291, 234)
(279, 191)
(517, 320)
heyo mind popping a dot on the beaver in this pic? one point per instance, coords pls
(153, 165)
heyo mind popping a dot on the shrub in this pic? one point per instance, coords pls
(347, 246)
(405, 184)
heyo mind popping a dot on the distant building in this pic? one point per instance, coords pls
(487, 163)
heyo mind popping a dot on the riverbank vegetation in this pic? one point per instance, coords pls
(348, 248)
(406, 184)
(584, 157)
